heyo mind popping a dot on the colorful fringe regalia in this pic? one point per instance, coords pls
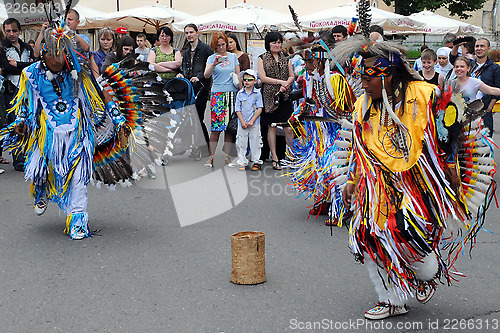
(60, 140)
(459, 126)
(403, 201)
(318, 160)
(141, 103)
(69, 134)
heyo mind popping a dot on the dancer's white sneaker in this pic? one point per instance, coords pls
(41, 206)
(77, 232)
(384, 310)
(425, 291)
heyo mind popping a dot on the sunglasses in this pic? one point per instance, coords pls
(248, 79)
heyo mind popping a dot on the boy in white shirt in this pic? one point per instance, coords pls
(248, 108)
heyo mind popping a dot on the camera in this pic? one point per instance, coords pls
(468, 39)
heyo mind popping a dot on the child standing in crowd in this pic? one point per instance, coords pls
(248, 108)
(142, 48)
(429, 60)
(418, 63)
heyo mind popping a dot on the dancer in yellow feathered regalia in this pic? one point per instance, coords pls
(408, 161)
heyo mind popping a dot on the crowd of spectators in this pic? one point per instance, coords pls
(213, 72)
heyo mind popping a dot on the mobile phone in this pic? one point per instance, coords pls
(468, 39)
(223, 58)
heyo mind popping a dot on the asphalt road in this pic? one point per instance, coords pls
(147, 273)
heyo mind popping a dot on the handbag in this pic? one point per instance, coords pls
(232, 125)
(236, 80)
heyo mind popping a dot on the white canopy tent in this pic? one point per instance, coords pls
(435, 24)
(86, 13)
(343, 14)
(237, 18)
(146, 18)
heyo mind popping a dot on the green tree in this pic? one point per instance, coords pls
(455, 7)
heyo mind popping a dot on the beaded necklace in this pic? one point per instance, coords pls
(60, 106)
(51, 78)
(397, 137)
(323, 97)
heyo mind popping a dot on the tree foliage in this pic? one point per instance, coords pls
(455, 7)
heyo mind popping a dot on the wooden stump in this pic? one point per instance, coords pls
(248, 257)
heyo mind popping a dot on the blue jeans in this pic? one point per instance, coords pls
(488, 122)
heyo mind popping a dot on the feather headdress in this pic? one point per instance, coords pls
(380, 59)
(59, 40)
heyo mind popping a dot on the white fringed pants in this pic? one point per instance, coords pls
(425, 270)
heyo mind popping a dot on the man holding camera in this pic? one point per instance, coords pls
(484, 69)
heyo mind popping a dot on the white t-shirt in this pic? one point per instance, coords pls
(470, 89)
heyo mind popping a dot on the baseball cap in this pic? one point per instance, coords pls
(249, 72)
(121, 30)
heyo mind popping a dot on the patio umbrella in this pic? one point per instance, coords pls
(236, 19)
(435, 24)
(86, 13)
(148, 18)
(343, 14)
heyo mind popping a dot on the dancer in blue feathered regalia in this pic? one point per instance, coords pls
(72, 128)
(58, 109)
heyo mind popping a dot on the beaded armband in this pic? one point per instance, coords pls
(115, 114)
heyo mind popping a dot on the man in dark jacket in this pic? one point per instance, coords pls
(487, 71)
(194, 61)
(15, 56)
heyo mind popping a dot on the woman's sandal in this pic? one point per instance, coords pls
(209, 163)
(227, 159)
(242, 168)
(276, 165)
(3, 160)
